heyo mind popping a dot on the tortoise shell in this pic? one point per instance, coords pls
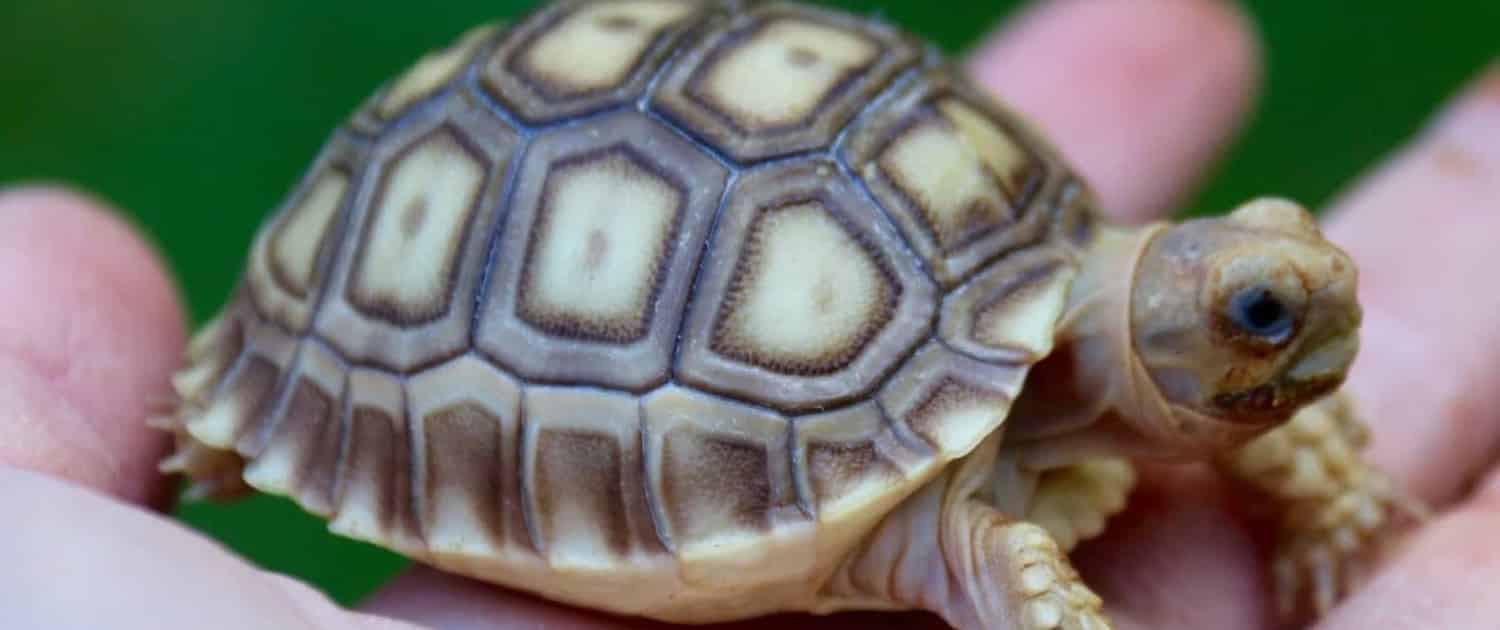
(671, 296)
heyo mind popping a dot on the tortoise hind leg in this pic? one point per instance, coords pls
(212, 473)
(947, 551)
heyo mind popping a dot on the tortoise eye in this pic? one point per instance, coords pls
(1258, 312)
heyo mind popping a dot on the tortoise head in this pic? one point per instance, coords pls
(1239, 321)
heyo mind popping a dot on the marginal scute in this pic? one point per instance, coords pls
(781, 78)
(949, 401)
(802, 282)
(605, 226)
(374, 492)
(401, 295)
(466, 415)
(1076, 219)
(434, 70)
(572, 58)
(851, 458)
(1009, 312)
(289, 258)
(212, 351)
(244, 394)
(300, 454)
(961, 176)
(582, 473)
(721, 482)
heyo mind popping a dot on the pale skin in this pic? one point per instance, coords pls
(93, 328)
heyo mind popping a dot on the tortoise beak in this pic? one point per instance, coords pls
(1314, 374)
(1328, 360)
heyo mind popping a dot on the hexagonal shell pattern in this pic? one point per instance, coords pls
(735, 320)
(960, 176)
(575, 298)
(432, 193)
(289, 259)
(828, 66)
(572, 58)
(1007, 314)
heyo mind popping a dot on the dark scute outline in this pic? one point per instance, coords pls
(894, 291)
(393, 314)
(570, 328)
(641, 71)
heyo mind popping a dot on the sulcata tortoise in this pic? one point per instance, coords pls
(706, 310)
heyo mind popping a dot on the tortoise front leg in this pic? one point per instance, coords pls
(949, 551)
(1332, 507)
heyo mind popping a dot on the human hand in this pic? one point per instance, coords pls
(92, 328)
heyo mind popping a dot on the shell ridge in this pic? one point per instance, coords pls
(415, 495)
(253, 439)
(651, 460)
(730, 183)
(526, 442)
(503, 215)
(683, 41)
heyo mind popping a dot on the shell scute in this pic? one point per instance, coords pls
(466, 416)
(301, 452)
(574, 58)
(852, 458)
(582, 476)
(288, 262)
(721, 480)
(606, 226)
(432, 193)
(781, 78)
(948, 401)
(373, 493)
(806, 297)
(960, 175)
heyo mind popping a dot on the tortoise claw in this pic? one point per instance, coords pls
(1324, 553)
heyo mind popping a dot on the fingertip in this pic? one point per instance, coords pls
(1140, 94)
(442, 600)
(1421, 228)
(92, 330)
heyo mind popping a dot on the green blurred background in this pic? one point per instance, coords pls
(196, 115)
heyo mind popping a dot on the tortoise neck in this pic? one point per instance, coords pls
(1088, 374)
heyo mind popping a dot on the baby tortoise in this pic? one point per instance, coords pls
(705, 310)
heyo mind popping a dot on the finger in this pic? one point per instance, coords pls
(91, 331)
(1140, 566)
(1444, 577)
(447, 602)
(87, 561)
(1422, 229)
(1140, 95)
(1191, 64)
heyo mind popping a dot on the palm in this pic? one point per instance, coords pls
(82, 367)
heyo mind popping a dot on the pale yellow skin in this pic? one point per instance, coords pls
(810, 336)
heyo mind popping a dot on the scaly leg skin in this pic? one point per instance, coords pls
(1334, 510)
(949, 551)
